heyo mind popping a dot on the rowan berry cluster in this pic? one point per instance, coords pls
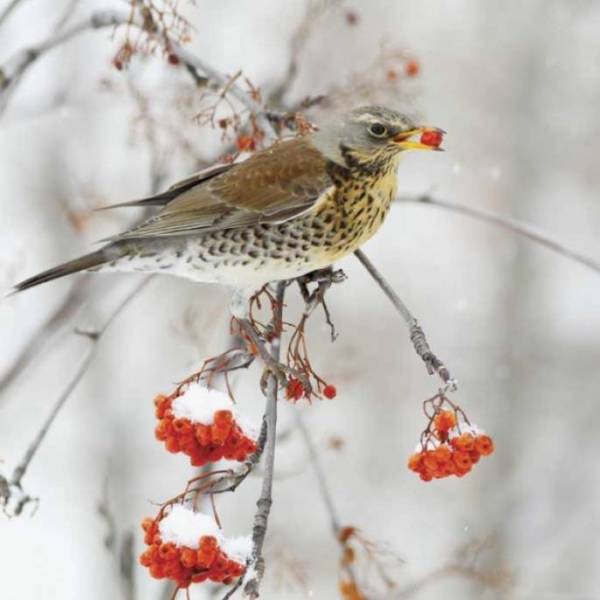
(188, 547)
(449, 447)
(202, 424)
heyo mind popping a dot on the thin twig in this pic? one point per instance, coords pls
(313, 11)
(510, 224)
(14, 69)
(72, 302)
(417, 335)
(22, 466)
(324, 489)
(256, 567)
(8, 10)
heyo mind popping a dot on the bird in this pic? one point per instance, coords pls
(298, 206)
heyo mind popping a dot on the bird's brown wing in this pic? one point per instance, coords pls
(175, 190)
(274, 185)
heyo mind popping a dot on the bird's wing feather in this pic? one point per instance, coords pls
(176, 189)
(274, 185)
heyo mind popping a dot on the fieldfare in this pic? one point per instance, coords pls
(296, 207)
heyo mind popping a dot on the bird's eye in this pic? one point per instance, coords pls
(378, 130)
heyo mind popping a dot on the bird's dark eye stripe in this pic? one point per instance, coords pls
(377, 129)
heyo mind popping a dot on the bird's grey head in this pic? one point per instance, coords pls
(367, 135)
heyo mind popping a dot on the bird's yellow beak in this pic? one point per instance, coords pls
(430, 139)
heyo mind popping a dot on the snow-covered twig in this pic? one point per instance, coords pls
(510, 224)
(417, 335)
(15, 480)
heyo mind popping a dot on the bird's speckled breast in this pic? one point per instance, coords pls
(352, 213)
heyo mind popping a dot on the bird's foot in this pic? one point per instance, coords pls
(323, 278)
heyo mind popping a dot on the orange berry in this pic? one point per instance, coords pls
(412, 68)
(223, 417)
(215, 454)
(182, 426)
(462, 460)
(465, 442)
(172, 444)
(442, 454)
(162, 430)
(484, 444)
(444, 420)
(425, 476)
(157, 571)
(220, 432)
(198, 459)
(160, 402)
(475, 456)
(207, 542)
(188, 557)
(146, 558)
(462, 472)
(415, 462)
(429, 461)
(147, 524)
(203, 434)
(167, 551)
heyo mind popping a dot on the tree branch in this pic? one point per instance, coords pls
(14, 69)
(8, 10)
(15, 480)
(510, 224)
(256, 567)
(417, 335)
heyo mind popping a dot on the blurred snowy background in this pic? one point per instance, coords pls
(517, 87)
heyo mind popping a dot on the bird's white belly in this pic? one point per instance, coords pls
(253, 274)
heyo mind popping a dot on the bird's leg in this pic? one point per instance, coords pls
(324, 278)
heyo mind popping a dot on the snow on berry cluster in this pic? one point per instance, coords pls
(203, 424)
(450, 448)
(188, 547)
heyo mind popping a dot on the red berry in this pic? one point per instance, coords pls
(432, 138)
(294, 389)
(329, 391)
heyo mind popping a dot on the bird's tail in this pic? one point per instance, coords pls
(83, 263)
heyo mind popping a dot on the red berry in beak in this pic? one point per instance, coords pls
(432, 138)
